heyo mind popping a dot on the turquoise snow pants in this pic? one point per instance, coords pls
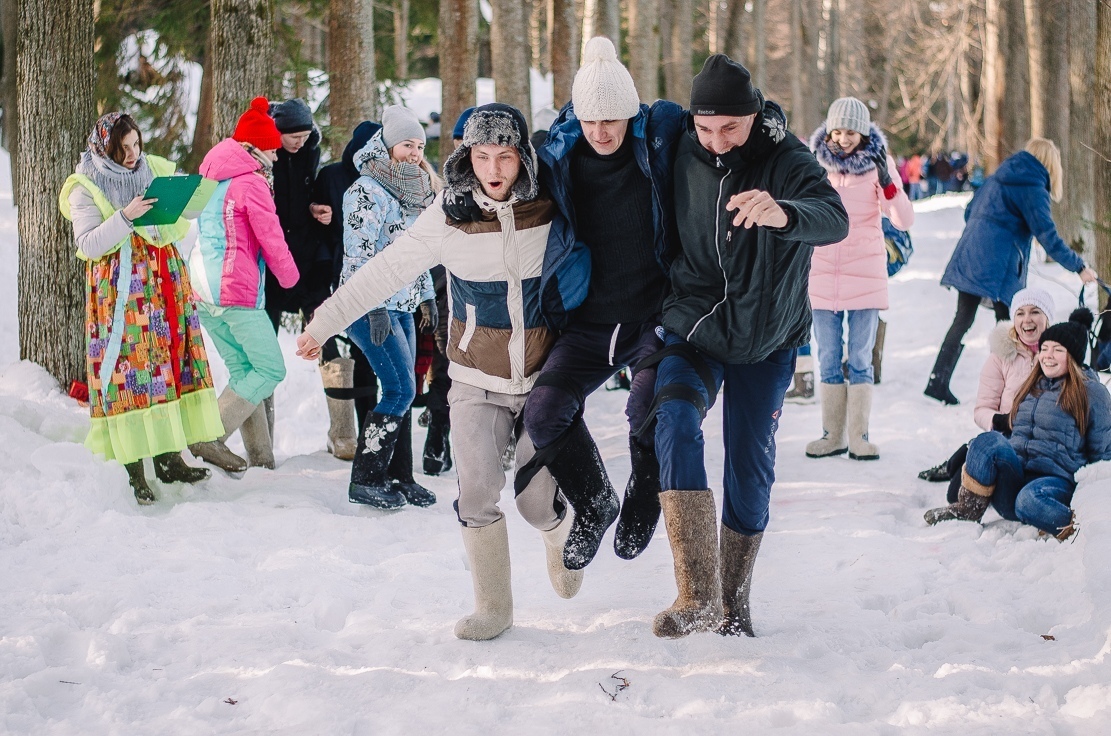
(246, 341)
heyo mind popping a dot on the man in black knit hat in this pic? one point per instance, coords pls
(607, 164)
(750, 202)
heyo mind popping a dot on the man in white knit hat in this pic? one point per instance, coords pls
(607, 165)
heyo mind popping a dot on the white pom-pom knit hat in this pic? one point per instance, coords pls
(603, 88)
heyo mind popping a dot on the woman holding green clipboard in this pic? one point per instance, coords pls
(150, 390)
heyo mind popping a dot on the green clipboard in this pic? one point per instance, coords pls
(178, 196)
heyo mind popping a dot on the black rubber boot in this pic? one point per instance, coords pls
(946, 363)
(370, 483)
(939, 473)
(437, 444)
(400, 470)
(170, 468)
(580, 474)
(138, 479)
(738, 557)
(640, 511)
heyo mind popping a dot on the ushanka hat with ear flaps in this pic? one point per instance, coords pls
(1073, 335)
(495, 124)
(724, 87)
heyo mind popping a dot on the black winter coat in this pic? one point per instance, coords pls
(294, 179)
(740, 294)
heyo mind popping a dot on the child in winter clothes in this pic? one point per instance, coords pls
(1014, 346)
(1061, 421)
(150, 390)
(239, 233)
(848, 280)
(396, 185)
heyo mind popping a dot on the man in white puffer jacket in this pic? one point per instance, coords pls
(515, 272)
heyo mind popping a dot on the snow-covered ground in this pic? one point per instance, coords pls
(270, 605)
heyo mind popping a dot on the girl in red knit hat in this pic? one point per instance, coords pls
(240, 236)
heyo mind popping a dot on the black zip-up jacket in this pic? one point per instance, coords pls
(294, 177)
(740, 294)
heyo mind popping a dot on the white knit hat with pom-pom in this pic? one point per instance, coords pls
(603, 88)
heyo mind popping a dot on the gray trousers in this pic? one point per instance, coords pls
(482, 423)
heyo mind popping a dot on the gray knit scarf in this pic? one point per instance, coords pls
(408, 183)
(119, 183)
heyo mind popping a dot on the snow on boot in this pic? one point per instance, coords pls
(437, 444)
(370, 483)
(138, 480)
(400, 469)
(938, 385)
(580, 474)
(566, 583)
(859, 409)
(738, 556)
(234, 410)
(488, 556)
(640, 512)
(509, 457)
(256, 439)
(973, 500)
(834, 398)
(802, 392)
(170, 468)
(339, 375)
(691, 519)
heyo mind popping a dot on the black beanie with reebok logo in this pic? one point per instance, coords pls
(724, 87)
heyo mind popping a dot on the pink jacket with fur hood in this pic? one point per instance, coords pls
(852, 274)
(1007, 366)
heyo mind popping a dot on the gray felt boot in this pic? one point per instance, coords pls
(834, 396)
(488, 554)
(566, 583)
(859, 409)
(691, 519)
(256, 439)
(738, 556)
(234, 410)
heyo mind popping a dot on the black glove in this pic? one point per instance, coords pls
(429, 317)
(1001, 423)
(461, 207)
(880, 160)
(380, 326)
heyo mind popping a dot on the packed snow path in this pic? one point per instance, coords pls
(270, 605)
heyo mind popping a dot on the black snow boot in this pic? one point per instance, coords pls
(580, 474)
(939, 473)
(641, 510)
(437, 444)
(400, 470)
(370, 483)
(170, 468)
(946, 363)
(138, 479)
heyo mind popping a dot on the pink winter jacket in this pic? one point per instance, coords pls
(852, 274)
(239, 230)
(1007, 366)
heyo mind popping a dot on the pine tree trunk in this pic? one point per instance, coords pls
(736, 32)
(644, 48)
(1035, 53)
(401, 39)
(1015, 113)
(760, 44)
(202, 130)
(538, 35)
(678, 70)
(992, 84)
(55, 80)
(833, 53)
(563, 43)
(1079, 210)
(458, 64)
(1101, 111)
(602, 18)
(242, 59)
(509, 50)
(352, 96)
(9, 93)
(1054, 97)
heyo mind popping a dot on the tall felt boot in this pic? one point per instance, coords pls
(859, 409)
(268, 403)
(802, 390)
(437, 444)
(834, 398)
(580, 474)
(692, 521)
(234, 410)
(138, 480)
(566, 583)
(738, 557)
(938, 386)
(170, 468)
(640, 511)
(339, 375)
(256, 439)
(877, 351)
(400, 469)
(370, 482)
(973, 500)
(488, 555)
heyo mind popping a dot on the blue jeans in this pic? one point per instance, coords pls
(829, 330)
(394, 361)
(1041, 501)
(753, 400)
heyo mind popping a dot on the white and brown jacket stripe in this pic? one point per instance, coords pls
(511, 275)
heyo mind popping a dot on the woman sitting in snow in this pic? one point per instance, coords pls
(1014, 346)
(150, 390)
(1061, 421)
